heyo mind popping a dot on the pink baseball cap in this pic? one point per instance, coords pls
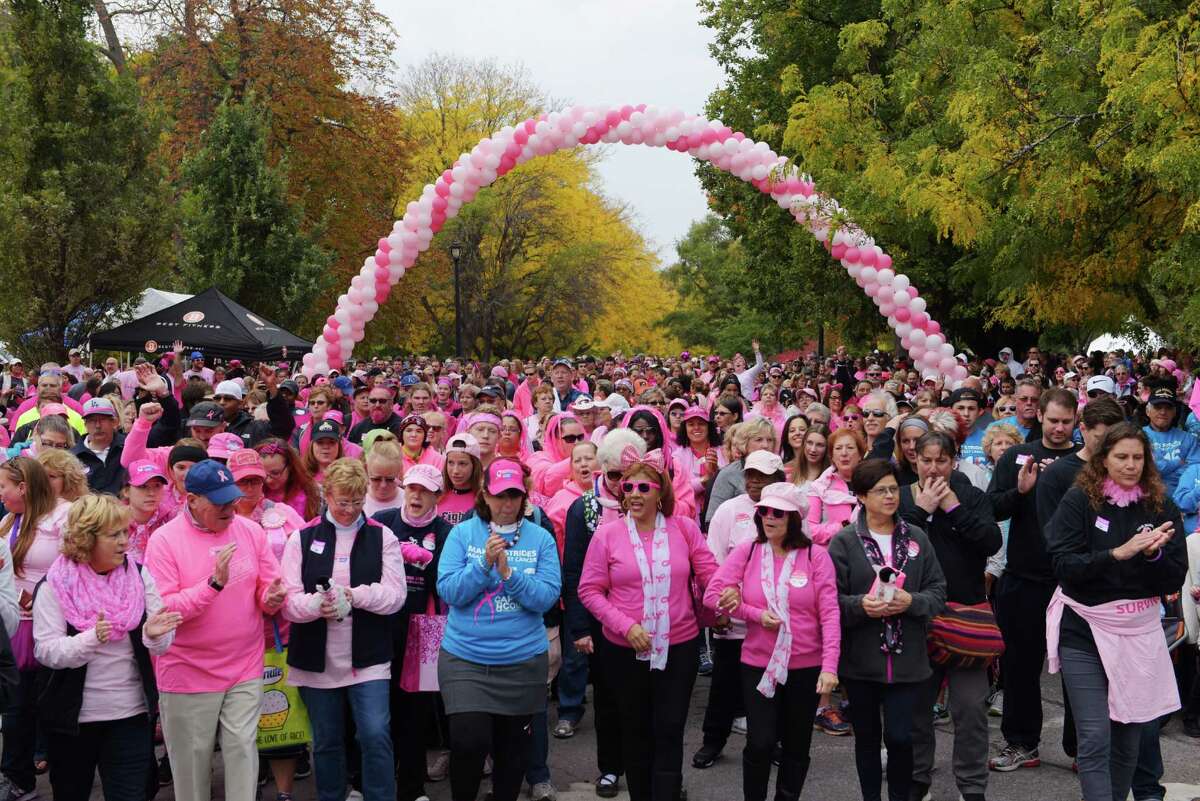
(464, 443)
(245, 463)
(424, 475)
(54, 408)
(224, 445)
(783, 495)
(503, 475)
(143, 470)
(695, 412)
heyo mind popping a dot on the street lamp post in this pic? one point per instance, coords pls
(456, 254)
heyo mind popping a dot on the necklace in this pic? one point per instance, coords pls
(514, 529)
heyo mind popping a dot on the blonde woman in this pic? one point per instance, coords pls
(97, 621)
(67, 479)
(752, 435)
(385, 464)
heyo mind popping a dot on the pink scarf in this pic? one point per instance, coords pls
(825, 488)
(1129, 639)
(139, 533)
(83, 594)
(656, 590)
(1117, 495)
(776, 593)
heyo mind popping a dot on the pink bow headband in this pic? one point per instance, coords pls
(654, 459)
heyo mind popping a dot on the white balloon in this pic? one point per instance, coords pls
(869, 274)
(917, 336)
(904, 329)
(901, 281)
(917, 304)
(886, 276)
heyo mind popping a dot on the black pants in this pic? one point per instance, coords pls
(122, 750)
(20, 733)
(474, 735)
(788, 718)
(897, 702)
(1021, 615)
(606, 699)
(653, 708)
(724, 692)
(410, 715)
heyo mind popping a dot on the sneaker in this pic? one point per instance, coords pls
(487, 765)
(608, 785)
(830, 721)
(940, 712)
(777, 755)
(440, 768)
(739, 725)
(705, 663)
(10, 792)
(1013, 757)
(706, 756)
(303, 766)
(996, 705)
(919, 791)
(1191, 727)
(565, 729)
(543, 791)
(164, 771)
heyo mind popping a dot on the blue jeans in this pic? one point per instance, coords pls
(572, 683)
(122, 750)
(538, 768)
(326, 712)
(1149, 770)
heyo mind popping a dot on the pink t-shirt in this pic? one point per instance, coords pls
(611, 584)
(455, 506)
(812, 606)
(731, 525)
(46, 546)
(384, 597)
(220, 642)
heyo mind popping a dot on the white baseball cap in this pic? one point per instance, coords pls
(765, 462)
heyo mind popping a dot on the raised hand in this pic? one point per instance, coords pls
(221, 569)
(1027, 477)
(151, 412)
(161, 622)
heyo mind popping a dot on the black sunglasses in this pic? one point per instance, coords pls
(770, 511)
(571, 439)
(875, 413)
(614, 475)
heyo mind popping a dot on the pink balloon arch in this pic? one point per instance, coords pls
(709, 140)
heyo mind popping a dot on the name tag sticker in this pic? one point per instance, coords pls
(799, 581)
(317, 546)
(1102, 524)
(1022, 459)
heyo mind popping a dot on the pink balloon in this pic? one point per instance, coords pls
(330, 335)
(960, 372)
(838, 251)
(933, 327)
(852, 255)
(385, 245)
(867, 257)
(903, 314)
(382, 259)
(884, 261)
(919, 320)
(947, 365)
(887, 309)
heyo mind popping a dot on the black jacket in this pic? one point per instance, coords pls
(578, 622)
(861, 635)
(962, 538)
(280, 423)
(392, 423)
(107, 476)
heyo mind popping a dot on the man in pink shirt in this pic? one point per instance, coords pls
(218, 571)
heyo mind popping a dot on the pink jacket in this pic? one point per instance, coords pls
(220, 642)
(384, 597)
(1129, 639)
(611, 585)
(812, 606)
(830, 506)
(557, 507)
(135, 448)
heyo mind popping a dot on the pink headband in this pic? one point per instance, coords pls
(483, 417)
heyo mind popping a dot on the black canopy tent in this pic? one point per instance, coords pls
(210, 323)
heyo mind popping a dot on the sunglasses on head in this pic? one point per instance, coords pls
(770, 511)
(641, 486)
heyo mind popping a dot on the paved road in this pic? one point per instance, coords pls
(832, 774)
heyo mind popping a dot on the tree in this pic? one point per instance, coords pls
(84, 213)
(1029, 164)
(550, 265)
(240, 232)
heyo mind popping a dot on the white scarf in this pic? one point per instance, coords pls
(656, 590)
(776, 593)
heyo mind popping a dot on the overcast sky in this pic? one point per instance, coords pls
(610, 51)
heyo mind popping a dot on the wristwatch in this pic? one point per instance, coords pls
(216, 585)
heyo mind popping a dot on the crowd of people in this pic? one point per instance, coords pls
(427, 562)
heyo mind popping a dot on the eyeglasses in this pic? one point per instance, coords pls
(437, 428)
(276, 474)
(641, 486)
(875, 413)
(657, 403)
(62, 446)
(643, 431)
(347, 506)
(770, 511)
(884, 492)
(384, 479)
(1006, 409)
(873, 375)
(571, 439)
(378, 401)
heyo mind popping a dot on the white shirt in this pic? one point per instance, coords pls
(885, 545)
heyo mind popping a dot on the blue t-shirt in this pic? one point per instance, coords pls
(494, 622)
(1187, 497)
(1174, 450)
(1012, 421)
(972, 448)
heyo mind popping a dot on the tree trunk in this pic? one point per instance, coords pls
(114, 51)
